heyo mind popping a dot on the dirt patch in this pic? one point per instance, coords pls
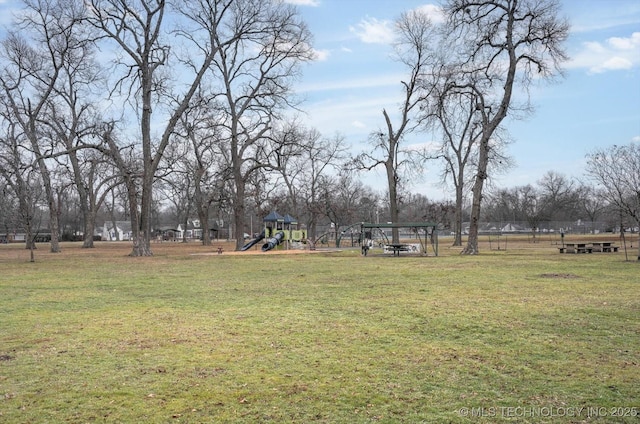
(6, 357)
(270, 252)
(558, 275)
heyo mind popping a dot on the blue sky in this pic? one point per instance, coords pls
(597, 104)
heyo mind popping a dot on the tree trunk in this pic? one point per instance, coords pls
(311, 230)
(202, 205)
(457, 225)
(185, 224)
(393, 205)
(483, 161)
(142, 240)
(392, 174)
(54, 223)
(83, 195)
(238, 213)
(89, 228)
(203, 216)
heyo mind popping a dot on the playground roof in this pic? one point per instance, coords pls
(288, 219)
(273, 217)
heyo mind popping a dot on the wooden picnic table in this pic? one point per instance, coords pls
(604, 246)
(598, 246)
(609, 247)
(576, 248)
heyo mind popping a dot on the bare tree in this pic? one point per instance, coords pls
(130, 169)
(8, 202)
(558, 196)
(176, 188)
(196, 165)
(18, 171)
(452, 113)
(46, 43)
(260, 48)
(288, 163)
(617, 170)
(415, 32)
(303, 160)
(138, 29)
(116, 205)
(454, 116)
(72, 126)
(592, 202)
(532, 207)
(322, 156)
(502, 45)
(341, 201)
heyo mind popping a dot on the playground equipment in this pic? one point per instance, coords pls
(497, 241)
(273, 241)
(429, 229)
(278, 232)
(253, 242)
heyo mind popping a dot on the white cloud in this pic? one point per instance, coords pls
(372, 30)
(321, 55)
(636, 139)
(613, 64)
(615, 53)
(625, 43)
(358, 124)
(346, 49)
(435, 13)
(313, 3)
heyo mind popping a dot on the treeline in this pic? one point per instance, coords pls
(156, 111)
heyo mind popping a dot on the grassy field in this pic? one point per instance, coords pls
(517, 335)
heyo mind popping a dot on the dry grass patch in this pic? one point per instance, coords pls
(331, 337)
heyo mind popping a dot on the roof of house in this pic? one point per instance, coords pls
(121, 225)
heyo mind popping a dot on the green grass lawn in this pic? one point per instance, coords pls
(526, 335)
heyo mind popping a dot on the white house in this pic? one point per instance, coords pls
(122, 231)
(193, 230)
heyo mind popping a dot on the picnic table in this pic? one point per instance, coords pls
(598, 246)
(608, 247)
(396, 248)
(576, 248)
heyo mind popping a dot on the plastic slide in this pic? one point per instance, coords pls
(273, 241)
(253, 242)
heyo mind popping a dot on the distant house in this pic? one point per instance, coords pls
(512, 228)
(167, 233)
(14, 237)
(489, 228)
(121, 231)
(194, 230)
